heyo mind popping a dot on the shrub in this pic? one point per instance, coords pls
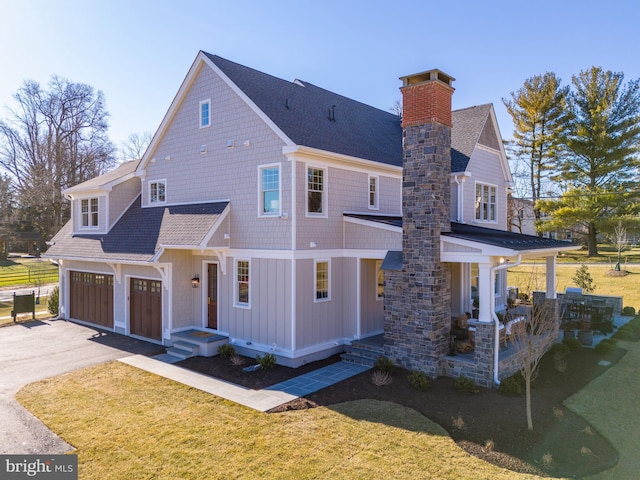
(625, 333)
(560, 349)
(419, 380)
(267, 362)
(385, 365)
(606, 346)
(584, 279)
(573, 344)
(226, 351)
(237, 360)
(512, 386)
(53, 301)
(629, 310)
(380, 378)
(465, 385)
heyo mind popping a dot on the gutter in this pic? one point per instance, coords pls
(496, 320)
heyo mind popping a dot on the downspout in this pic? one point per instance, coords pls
(460, 199)
(496, 320)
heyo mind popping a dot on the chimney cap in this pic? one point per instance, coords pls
(427, 76)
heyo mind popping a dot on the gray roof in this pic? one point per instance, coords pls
(140, 233)
(100, 181)
(475, 233)
(313, 117)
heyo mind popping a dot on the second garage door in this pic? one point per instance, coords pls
(91, 298)
(146, 308)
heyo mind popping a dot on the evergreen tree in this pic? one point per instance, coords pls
(538, 110)
(602, 155)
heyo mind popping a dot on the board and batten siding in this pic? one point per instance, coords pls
(237, 142)
(485, 168)
(267, 321)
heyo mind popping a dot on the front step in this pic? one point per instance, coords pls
(364, 352)
(183, 350)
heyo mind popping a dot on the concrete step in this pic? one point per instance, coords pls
(357, 360)
(183, 349)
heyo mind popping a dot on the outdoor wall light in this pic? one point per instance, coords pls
(195, 281)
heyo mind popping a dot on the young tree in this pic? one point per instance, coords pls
(602, 154)
(584, 280)
(620, 240)
(531, 340)
(539, 117)
(54, 139)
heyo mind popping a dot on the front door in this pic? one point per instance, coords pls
(212, 295)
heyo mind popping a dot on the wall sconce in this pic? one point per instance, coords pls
(195, 281)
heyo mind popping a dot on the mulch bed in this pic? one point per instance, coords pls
(487, 424)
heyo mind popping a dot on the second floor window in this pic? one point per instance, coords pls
(485, 203)
(205, 113)
(315, 191)
(89, 212)
(270, 190)
(157, 192)
(373, 193)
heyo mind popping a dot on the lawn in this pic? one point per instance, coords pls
(608, 254)
(532, 276)
(27, 272)
(126, 423)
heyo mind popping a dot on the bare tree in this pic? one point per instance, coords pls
(531, 340)
(135, 146)
(620, 240)
(54, 139)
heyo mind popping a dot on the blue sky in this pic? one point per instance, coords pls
(138, 52)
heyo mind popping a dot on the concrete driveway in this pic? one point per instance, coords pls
(41, 349)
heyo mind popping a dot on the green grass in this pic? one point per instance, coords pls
(27, 272)
(6, 307)
(127, 423)
(608, 254)
(532, 276)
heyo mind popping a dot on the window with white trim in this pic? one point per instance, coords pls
(269, 177)
(485, 202)
(373, 192)
(89, 212)
(322, 273)
(157, 191)
(316, 187)
(205, 113)
(242, 283)
(380, 281)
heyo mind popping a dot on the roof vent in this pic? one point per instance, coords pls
(332, 113)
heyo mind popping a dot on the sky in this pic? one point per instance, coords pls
(139, 52)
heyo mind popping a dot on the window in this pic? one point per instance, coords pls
(89, 212)
(157, 192)
(269, 190)
(485, 203)
(242, 283)
(380, 283)
(315, 191)
(322, 280)
(205, 113)
(373, 193)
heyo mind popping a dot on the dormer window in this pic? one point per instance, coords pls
(485, 203)
(205, 113)
(89, 212)
(157, 191)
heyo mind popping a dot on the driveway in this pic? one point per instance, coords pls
(41, 349)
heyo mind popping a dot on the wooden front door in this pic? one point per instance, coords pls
(145, 307)
(212, 295)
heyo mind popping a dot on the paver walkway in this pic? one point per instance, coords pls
(261, 400)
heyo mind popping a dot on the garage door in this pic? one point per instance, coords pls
(91, 298)
(145, 306)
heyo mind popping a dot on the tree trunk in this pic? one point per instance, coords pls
(528, 395)
(592, 240)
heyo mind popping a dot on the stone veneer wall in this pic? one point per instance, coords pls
(417, 320)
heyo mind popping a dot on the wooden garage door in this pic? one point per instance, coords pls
(146, 308)
(91, 298)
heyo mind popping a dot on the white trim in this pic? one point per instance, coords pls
(315, 280)
(376, 192)
(221, 218)
(236, 303)
(495, 204)
(325, 191)
(371, 223)
(208, 103)
(261, 212)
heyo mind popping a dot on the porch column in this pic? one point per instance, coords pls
(485, 290)
(551, 277)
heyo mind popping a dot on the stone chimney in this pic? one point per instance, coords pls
(417, 320)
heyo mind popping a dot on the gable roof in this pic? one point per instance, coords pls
(105, 180)
(468, 124)
(141, 233)
(314, 117)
